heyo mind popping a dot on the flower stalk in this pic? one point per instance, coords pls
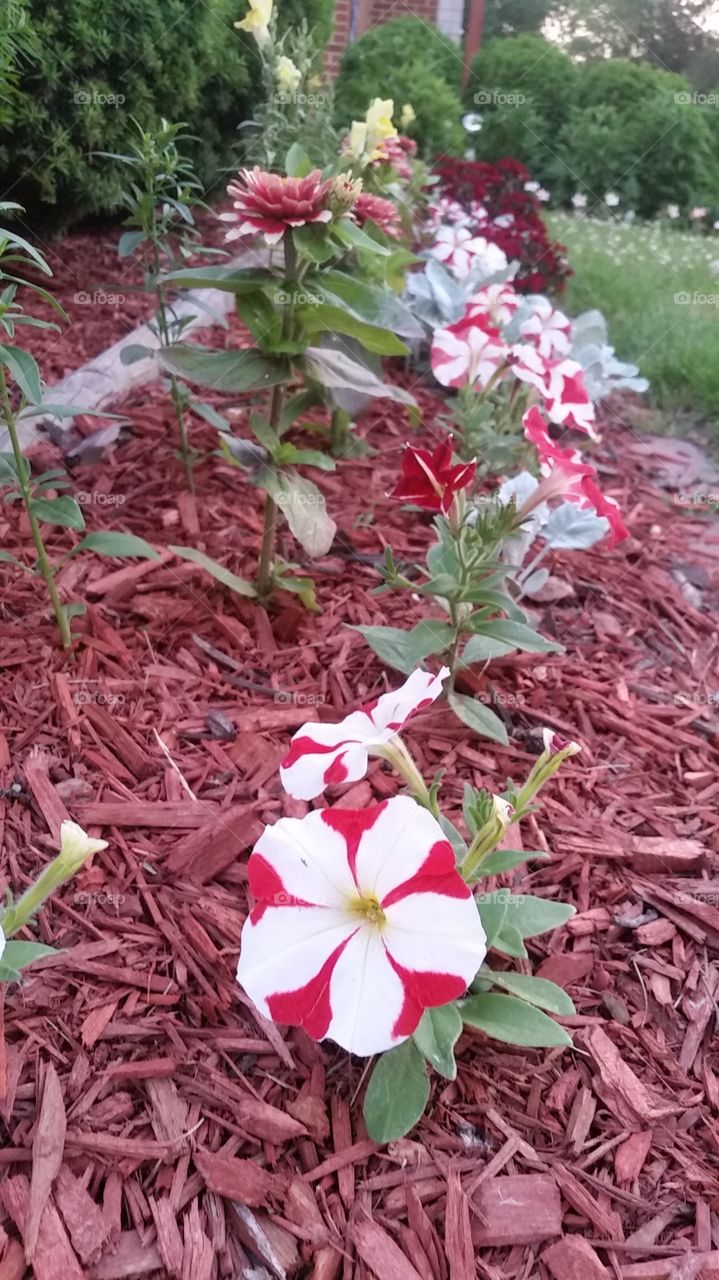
(43, 562)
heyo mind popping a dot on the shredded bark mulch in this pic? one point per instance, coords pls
(153, 1125)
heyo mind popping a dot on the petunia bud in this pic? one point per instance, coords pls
(554, 743)
(76, 847)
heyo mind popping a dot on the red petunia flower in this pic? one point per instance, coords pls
(380, 211)
(267, 203)
(430, 480)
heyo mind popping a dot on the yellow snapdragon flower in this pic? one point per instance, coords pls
(287, 75)
(407, 116)
(257, 21)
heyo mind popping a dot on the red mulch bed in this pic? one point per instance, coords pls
(99, 293)
(153, 1124)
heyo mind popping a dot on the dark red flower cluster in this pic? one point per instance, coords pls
(500, 188)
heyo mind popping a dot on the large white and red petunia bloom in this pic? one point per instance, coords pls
(547, 329)
(566, 398)
(323, 755)
(361, 922)
(469, 351)
(268, 204)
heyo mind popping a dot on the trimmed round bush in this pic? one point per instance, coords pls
(407, 61)
(520, 70)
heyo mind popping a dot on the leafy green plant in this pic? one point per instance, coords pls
(161, 202)
(465, 572)
(318, 331)
(21, 399)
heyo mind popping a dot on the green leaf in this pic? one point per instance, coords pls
(297, 162)
(478, 717)
(304, 508)
(492, 908)
(397, 1093)
(519, 636)
(261, 318)
(537, 991)
(7, 974)
(62, 511)
(227, 279)
(288, 454)
(129, 241)
(351, 235)
(324, 318)
(224, 370)
(369, 302)
(9, 470)
(18, 955)
(218, 571)
(507, 859)
(512, 1021)
(404, 650)
(509, 941)
(437, 1034)
(6, 558)
(481, 648)
(24, 370)
(135, 351)
(313, 242)
(531, 915)
(116, 544)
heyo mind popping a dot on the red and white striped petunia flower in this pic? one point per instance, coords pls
(567, 475)
(467, 352)
(361, 922)
(566, 398)
(529, 366)
(462, 252)
(495, 303)
(323, 755)
(547, 329)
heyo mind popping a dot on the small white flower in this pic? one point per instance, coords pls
(579, 200)
(76, 846)
(611, 199)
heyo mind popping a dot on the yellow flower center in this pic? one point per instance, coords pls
(368, 909)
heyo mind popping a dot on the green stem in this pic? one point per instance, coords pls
(265, 572)
(396, 754)
(33, 898)
(43, 563)
(339, 426)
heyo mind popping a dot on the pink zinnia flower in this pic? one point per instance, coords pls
(324, 754)
(467, 352)
(362, 922)
(430, 480)
(267, 203)
(380, 211)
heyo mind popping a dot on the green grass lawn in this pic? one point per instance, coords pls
(659, 291)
